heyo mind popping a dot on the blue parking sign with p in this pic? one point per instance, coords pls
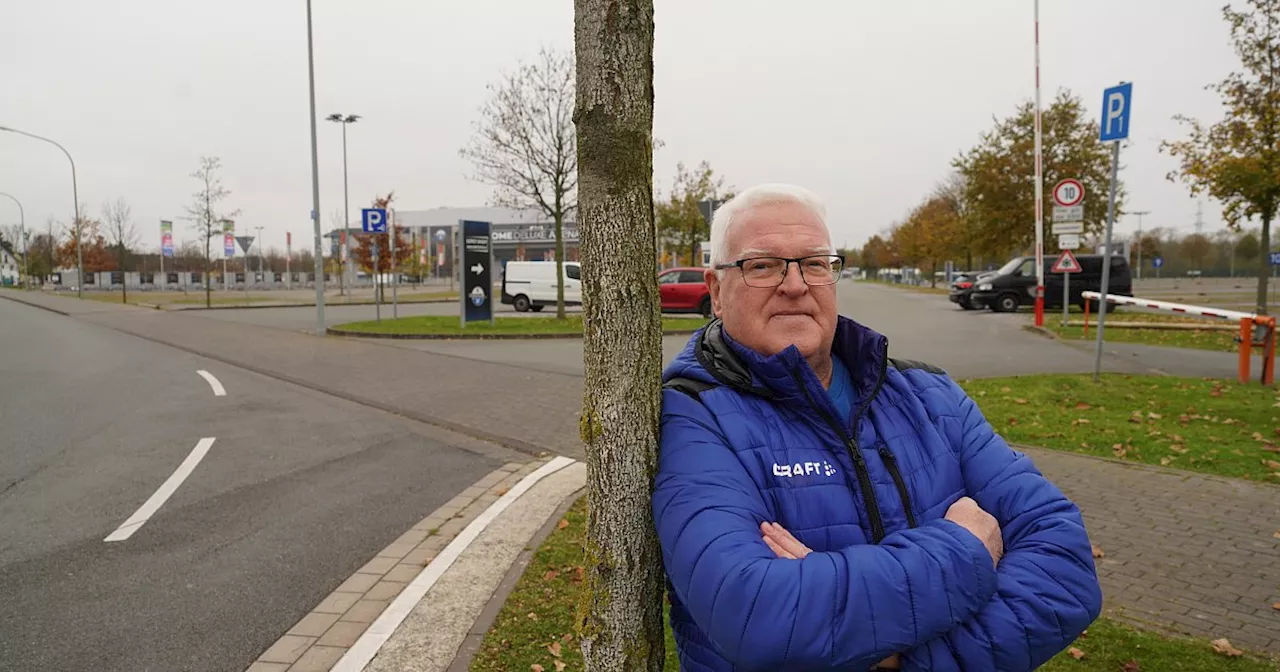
(1116, 105)
(373, 220)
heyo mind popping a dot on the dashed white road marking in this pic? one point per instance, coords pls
(162, 495)
(218, 390)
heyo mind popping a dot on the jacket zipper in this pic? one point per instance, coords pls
(891, 461)
(859, 462)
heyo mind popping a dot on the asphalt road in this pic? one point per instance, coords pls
(919, 326)
(298, 490)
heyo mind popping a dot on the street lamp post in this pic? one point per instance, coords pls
(315, 181)
(75, 194)
(22, 233)
(1140, 213)
(260, 271)
(346, 205)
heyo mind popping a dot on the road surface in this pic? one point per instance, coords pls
(296, 492)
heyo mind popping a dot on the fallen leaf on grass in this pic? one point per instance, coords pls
(1136, 418)
(1075, 653)
(536, 667)
(1081, 421)
(562, 524)
(1223, 647)
(568, 637)
(1176, 438)
(1118, 450)
(1005, 390)
(1013, 421)
(578, 574)
(1154, 416)
(1097, 551)
(1164, 461)
(1178, 448)
(1184, 419)
(1275, 605)
(1019, 401)
(560, 665)
(1271, 448)
(1272, 464)
(1257, 436)
(554, 648)
(550, 575)
(1081, 406)
(1131, 666)
(1215, 392)
(533, 616)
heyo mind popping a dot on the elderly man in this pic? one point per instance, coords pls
(824, 507)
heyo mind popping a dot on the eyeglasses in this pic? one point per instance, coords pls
(764, 272)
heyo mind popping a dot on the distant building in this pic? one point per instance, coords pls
(518, 235)
(9, 268)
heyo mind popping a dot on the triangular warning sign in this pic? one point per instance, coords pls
(1066, 263)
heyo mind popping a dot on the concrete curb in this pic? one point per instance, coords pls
(320, 638)
(334, 331)
(33, 304)
(1040, 331)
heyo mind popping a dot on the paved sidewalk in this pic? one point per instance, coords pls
(1194, 553)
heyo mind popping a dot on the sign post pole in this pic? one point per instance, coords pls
(1116, 106)
(374, 220)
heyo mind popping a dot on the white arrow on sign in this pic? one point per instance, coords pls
(477, 269)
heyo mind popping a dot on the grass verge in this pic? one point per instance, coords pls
(1198, 339)
(535, 626)
(447, 325)
(1205, 425)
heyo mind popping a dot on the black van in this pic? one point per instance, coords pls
(1015, 283)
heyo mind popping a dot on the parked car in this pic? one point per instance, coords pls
(962, 286)
(1014, 284)
(531, 285)
(684, 290)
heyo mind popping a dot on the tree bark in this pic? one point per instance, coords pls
(1264, 268)
(619, 618)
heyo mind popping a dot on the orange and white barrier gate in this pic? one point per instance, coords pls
(1262, 337)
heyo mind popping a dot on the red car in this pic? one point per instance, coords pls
(684, 290)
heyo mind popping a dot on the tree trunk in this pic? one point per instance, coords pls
(619, 618)
(560, 260)
(208, 266)
(124, 279)
(1264, 268)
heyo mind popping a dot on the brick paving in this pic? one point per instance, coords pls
(1183, 552)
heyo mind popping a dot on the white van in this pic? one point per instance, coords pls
(531, 285)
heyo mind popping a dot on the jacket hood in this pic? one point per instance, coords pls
(714, 358)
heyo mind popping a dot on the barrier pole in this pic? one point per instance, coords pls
(1246, 350)
(1269, 354)
(1086, 318)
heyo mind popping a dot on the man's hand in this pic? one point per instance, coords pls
(967, 514)
(782, 543)
(788, 547)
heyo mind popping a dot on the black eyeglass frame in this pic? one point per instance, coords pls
(787, 261)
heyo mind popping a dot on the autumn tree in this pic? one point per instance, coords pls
(525, 146)
(367, 243)
(206, 214)
(1248, 247)
(963, 236)
(97, 258)
(999, 173)
(41, 251)
(681, 224)
(1237, 160)
(118, 217)
(878, 254)
(620, 614)
(1195, 248)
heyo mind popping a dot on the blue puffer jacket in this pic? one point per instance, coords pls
(747, 439)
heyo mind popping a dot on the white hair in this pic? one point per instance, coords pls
(754, 197)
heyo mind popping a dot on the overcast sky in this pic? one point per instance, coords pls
(864, 102)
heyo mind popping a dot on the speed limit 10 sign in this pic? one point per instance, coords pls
(1068, 193)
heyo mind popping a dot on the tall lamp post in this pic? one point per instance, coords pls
(260, 271)
(75, 194)
(315, 181)
(1140, 213)
(346, 206)
(22, 233)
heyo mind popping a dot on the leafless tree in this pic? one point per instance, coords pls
(203, 212)
(118, 218)
(525, 145)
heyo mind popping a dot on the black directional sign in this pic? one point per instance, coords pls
(477, 271)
